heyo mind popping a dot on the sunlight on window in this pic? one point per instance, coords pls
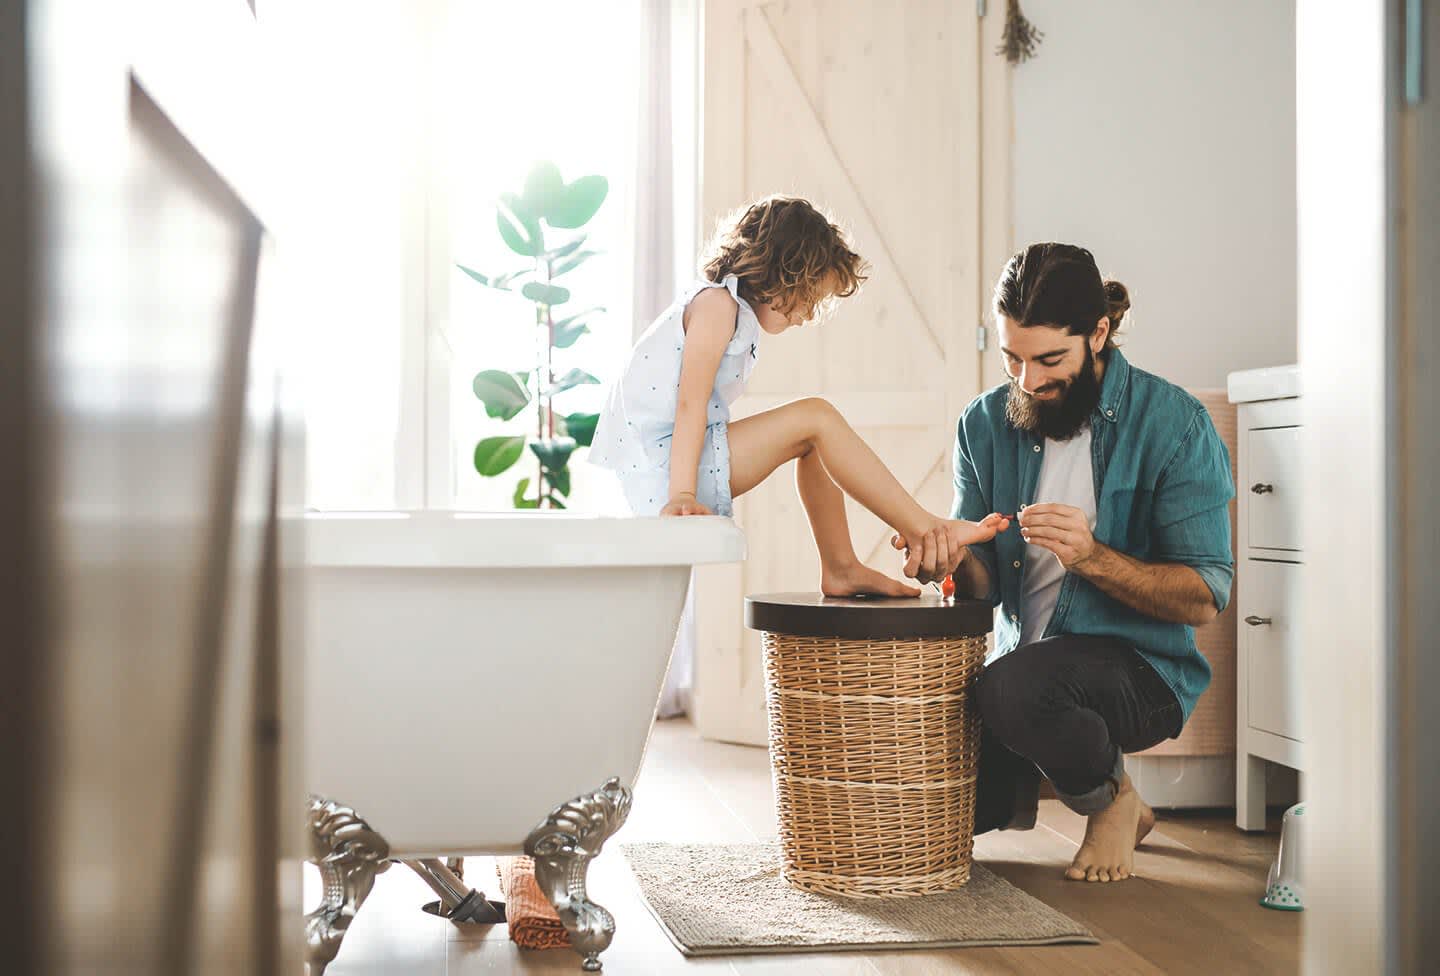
(346, 134)
(404, 124)
(548, 80)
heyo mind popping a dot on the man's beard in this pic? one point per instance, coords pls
(1059, 419)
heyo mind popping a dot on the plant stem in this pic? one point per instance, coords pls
(542, 378)
(550, 348)
(548, 407)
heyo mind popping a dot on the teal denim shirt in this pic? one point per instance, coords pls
(1162, 493)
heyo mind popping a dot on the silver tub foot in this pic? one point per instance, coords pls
(563, 847)
(349, 854)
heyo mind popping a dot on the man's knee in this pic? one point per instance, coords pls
(1002, 701)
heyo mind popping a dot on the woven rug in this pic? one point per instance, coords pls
(715, 899)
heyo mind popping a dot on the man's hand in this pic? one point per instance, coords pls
(932, 558)
(1062, 529)
(684, 504)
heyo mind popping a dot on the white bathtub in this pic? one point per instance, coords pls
(468, 674)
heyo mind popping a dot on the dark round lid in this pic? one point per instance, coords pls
(867, 618)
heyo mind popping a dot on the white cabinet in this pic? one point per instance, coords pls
(1272, 487)
(1270, 655)
(1267, 709)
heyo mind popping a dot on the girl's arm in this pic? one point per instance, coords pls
(709, 326)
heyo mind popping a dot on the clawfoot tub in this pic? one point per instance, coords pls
(557, 627)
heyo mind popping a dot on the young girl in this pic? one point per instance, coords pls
(666, 428)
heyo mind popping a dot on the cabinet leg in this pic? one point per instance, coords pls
(1249, 792)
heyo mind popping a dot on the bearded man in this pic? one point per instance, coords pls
(1122, 487)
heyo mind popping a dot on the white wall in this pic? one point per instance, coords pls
(1162, 137)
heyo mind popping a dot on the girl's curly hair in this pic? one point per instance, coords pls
(784, 252)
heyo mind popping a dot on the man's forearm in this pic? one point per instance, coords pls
(971, 577)
(1167, 591)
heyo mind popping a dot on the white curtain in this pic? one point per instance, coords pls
(666, 196)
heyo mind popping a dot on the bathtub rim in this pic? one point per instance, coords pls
(513, 540)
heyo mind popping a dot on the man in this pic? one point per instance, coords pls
(1123, 547)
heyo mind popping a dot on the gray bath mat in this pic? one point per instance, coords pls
(714, 899)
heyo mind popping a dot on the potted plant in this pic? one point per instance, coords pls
(527, 222)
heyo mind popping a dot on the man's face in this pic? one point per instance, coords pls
(1053, 381)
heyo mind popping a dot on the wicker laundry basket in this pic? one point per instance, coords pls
(874, 740)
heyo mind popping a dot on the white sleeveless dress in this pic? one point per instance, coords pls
(632, 436)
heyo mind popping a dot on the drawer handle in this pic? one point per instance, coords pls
(1261, 488)
(1255, 621)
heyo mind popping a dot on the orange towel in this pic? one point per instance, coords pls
(532, 919)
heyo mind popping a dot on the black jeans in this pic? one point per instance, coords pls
(1068, 708)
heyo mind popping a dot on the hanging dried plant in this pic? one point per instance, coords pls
(1021, 37)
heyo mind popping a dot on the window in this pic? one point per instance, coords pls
(347, 136)
(407, 122)
(553, 80)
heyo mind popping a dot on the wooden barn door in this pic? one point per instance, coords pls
(871, 110)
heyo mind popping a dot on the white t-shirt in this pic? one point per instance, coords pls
(1067, 477)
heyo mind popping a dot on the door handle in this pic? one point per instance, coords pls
(1261, 488)
(1255, 621)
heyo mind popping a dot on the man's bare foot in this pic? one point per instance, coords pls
(1108, 851)
(1147, 823)
(859, 579)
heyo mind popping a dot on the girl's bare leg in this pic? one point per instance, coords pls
(841, 571)
(760, 444)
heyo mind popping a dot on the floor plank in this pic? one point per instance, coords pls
(1214, 834)
(1224, 927)
(1035, 861)
(390, 934)
(1192, 909)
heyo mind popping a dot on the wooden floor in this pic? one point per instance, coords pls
(1191, 909)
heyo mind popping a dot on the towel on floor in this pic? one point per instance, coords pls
(532, 919)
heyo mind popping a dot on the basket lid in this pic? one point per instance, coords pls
(867, 618)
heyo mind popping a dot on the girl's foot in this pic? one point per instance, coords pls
(860, 580)
(966, 533)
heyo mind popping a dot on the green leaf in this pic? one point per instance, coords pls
(519, 226)
(574, 378)
(504, 394)
(553, 452)
(559, 480)
(500, 281)
(581, 426)
(496, 455)
(571, 263)
(567, 336)
(503, 281)
(579, 315)
(519, 499)
(475, 274)
(544, 190)
(578, 202)
(538, 291)
(565, 249)
(555, 502)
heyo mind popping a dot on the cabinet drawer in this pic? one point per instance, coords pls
(1269, 632)
(1274, 488)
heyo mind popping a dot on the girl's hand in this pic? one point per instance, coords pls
(684, 504)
